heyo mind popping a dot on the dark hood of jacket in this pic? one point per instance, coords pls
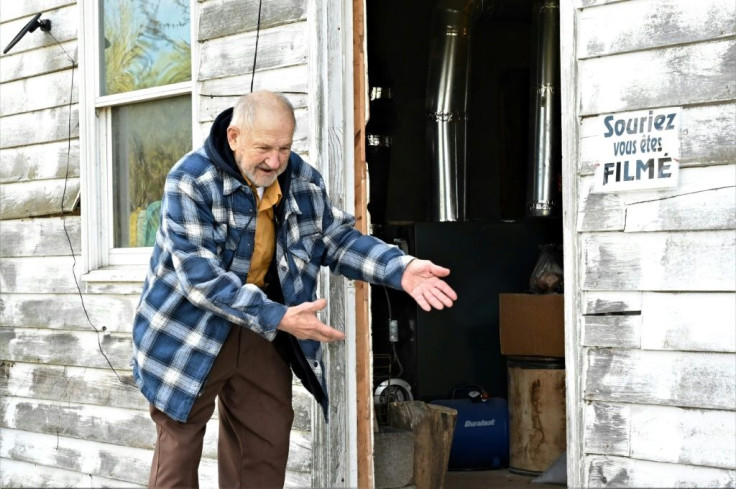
(217, 147)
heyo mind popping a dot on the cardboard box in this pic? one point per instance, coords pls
(532, 324)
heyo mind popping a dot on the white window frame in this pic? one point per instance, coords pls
(100, 260)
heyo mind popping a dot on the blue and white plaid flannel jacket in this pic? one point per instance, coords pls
(195, 287)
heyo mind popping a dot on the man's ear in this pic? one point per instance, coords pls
(232, 137)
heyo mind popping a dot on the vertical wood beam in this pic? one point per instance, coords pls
(362, 323)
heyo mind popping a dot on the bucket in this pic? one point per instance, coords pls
(481, 438)
(537, 424)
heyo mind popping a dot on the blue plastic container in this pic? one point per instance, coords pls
(481, 439)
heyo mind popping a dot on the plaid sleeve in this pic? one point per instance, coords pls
(188, 227)
(357, 256)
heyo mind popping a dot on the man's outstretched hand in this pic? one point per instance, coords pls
(422, 281)
(302, 322)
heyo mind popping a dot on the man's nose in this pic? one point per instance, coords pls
(272, 159)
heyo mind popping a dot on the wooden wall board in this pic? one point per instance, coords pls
(40, 237)
(707, 137)
(611, 29)
(41, 126)
(220, 18)
(612, 331)
(289, 79)
(27, 8)
(666, 261)
(675, 378)
(672, 76)
(40, 161)
(280, 46)
(689, 321)
(611, 302)
(49, 90)
(24, 474)
(31, 275)
(662, 434)
(705, 198)
(605, 471)
(38, 61)
(38, 198)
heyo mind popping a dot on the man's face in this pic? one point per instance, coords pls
(262, 152)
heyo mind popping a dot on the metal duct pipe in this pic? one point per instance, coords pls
(544, 161)
(447, 105)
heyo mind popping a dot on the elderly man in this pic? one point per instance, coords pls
(229, 305)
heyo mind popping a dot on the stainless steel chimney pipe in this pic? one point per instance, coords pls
(447, 105)
(542, 191)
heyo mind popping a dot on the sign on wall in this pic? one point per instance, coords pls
(638, 150)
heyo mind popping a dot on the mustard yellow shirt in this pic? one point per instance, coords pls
(265, 238)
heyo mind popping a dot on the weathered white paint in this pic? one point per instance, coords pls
(662, 434)
(644, 24)
(605, 302)
(612, 331)
(38, 198)
(670, 76)
(41, 126)
(602, 471)
(48, 59)
(16, 10)
(686, 379)
(31, 275)
(704, 199)
(36, 237)
(689, 322)
(50, 90)
(279, 46)
(222, 18)
(666, 261)
(40, 162)
(23, 474)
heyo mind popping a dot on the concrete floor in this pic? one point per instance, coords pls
(495, 479)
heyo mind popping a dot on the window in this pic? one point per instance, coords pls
(135, 121)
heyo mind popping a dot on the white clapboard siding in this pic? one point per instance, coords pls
(41, 126)
(301, 132)
(210, 107)
(38, 61)
(606, 302)
(41, 274)
(50, 90)
(95, 386)
(290, 79)
(707, 137)
(280, 46)
(63, 27)
(16, 10)
(680, 75)
(77, 348)
(662, 434)
(686, 379)
(40, 237)
(609, 29)
(24, 474)
(612, 331)
(38, 198)
(219, 18)
(67, 311)
(689, 322)
(40, 162)
(689, 261)
(705, 198)
(604, 471)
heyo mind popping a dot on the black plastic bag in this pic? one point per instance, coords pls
(547, 276)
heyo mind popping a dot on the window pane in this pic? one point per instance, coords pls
(147, 139)
(145, 44)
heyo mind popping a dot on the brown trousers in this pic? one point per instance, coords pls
(253, 387)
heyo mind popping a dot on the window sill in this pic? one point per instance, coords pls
(117, 273)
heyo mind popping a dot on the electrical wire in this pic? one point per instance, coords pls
(255, 52)
(63, 221)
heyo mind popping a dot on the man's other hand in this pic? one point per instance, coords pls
(302, 322)
(421, 280)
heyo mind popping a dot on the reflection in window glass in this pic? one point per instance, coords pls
(148, 138)
(146, 44)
